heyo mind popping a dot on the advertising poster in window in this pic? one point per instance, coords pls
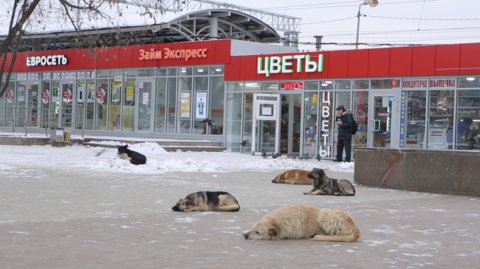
(91, 91)
(116, 88)
(185, 105)
(437, 138)
(130, 93)
(201, 106)
(81, 93)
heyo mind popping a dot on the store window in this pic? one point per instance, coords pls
(440, 123)
(129, 101)
(7, 105)
(469, 82)
(80, 104)
(310, 119)
(32, 104)
(160, 105)
(252, 87)
(468, 120)
(360, 113)
(101, 99)
(45, 104)
(202, 120)
(415, 118)
(361, 84)
(326, 85)
(247, 122)
(91, 89)
(116, 85)
(201, 71)
(343, 84)
(161, 72)
(216, 70)
(234, 120)
(385, 83)
(146, 72)
(20, 100)
(185, 101)
(311, 85)
(171, 103)
(217, 89)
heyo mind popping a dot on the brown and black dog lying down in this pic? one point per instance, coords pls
(207, 201)
(294, 176)
(323, 185)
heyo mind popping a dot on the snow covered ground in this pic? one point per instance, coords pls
(83, 207)
(158, 160)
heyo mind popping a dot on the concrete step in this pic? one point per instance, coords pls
(168, 145)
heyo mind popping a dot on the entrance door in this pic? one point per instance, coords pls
(384, 123)
(290, 124)
(144, 109)
(265, 123)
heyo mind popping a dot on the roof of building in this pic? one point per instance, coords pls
(198, 25)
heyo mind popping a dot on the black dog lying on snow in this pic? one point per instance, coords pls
(134, 157)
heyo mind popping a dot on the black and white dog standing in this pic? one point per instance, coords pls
(134, 157)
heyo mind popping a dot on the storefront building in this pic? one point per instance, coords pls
(253, 97)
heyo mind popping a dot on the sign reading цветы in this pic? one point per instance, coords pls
(289, 64)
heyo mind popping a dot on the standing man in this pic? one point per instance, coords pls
(344, 121)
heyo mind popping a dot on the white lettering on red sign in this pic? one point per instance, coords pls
(167, 53)
(289, 64)
(49, 60)
(325, 149)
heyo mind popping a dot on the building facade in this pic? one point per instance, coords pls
(253, 97)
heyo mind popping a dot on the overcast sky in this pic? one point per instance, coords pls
(391, 22)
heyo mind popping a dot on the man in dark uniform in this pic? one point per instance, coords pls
(344, 121)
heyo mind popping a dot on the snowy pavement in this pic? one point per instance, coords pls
(79, 207)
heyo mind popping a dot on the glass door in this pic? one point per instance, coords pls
(290, 124)
(145, 90)
(266, 124)
(384, 123)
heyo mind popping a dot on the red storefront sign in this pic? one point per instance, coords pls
(292, 85)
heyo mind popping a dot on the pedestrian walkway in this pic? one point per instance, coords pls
(66, 218)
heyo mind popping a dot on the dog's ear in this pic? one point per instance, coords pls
(272, 232)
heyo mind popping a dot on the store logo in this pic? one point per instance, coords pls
(49, 60)
(289, 64)
(167, 53)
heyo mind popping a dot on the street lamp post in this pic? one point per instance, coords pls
(372, 3)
